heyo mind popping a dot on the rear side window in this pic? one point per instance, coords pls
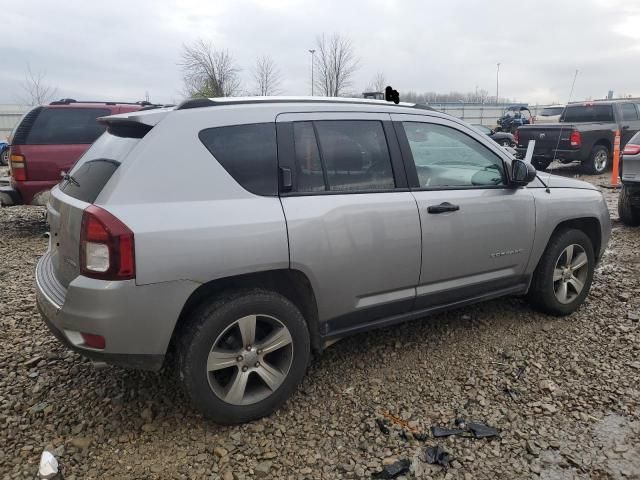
(66, 126)
(351, 156)
(94, 169)
(588, 113)
(248, 153)
(629, 111)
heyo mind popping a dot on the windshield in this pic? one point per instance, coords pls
(588, 113)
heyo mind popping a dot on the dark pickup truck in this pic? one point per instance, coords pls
(585, 133)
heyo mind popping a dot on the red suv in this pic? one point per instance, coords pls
(49, 140)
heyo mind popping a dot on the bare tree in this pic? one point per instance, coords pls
(379, 82)
(335, 64)
(35, 89)
(266, 76)
(209, 72)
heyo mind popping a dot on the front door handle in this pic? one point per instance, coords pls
(443, 207)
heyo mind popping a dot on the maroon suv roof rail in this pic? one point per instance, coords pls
(67, 101)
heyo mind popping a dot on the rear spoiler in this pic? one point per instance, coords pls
(134, 124)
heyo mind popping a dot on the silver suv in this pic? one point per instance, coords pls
(243, 234)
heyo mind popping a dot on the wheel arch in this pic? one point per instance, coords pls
(604, 142)
(291, 284)
(589, 225)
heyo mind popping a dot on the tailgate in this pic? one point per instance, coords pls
(547, 138)
(47, 162)
(64, 214)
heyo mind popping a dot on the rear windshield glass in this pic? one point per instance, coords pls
(94, 169)
(549, 111)
(65, 126)
(588, 113)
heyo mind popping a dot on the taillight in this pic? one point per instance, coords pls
(107, 248)
(18, 167)
(516, 137)
(575, 139)
(631, 149)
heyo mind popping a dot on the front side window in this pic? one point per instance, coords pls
(248, 153)
(342, 156)
(447, 158)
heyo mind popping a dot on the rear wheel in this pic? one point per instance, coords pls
(598, 160)
(629, 215)
(564, 274)
(242, 355)
(4, 158)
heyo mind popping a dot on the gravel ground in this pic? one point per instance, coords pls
(563, 392)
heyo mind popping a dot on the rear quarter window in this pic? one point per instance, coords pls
(66, 126)
(248, 153)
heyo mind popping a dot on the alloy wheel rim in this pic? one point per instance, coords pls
(601, 161)
(570, 273)
(250, 359)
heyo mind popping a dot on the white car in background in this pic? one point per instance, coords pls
(550, 114)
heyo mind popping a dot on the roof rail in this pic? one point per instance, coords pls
(208, 102)
(67, 101)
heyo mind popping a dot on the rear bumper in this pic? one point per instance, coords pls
(9, 196)
(137, 321)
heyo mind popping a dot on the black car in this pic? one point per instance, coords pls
(501, 138)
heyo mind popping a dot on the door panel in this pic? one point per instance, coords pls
(482, 247)
(360, 249)
(477, 232)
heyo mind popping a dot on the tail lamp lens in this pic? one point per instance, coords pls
(516, 137)
(107, 248)
(575, 139)
(18, 167)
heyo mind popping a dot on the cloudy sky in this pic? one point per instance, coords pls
(118, 50)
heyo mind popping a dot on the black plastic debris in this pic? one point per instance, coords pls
(403, 435)
(439, 432)
(480, 430)
(436, 456)
(383, 428)
(394, 470)
(421, 437)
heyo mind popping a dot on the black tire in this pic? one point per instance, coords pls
(4, 157)
(541, 293)
(541, 163)
(629, 215)
(208, 322)
(592, 166)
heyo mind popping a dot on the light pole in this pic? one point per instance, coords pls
(311, 51)
(497, 84)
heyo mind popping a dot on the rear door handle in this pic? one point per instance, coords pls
(443, 207)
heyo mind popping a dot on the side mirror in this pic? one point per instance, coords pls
(522, 173)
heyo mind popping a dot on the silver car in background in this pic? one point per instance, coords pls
(245, 233)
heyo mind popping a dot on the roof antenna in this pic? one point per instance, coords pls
(555, 150)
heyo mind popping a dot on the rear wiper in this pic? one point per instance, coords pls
(69, 178)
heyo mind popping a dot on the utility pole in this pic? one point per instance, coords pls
(312, 52)
(498, 84)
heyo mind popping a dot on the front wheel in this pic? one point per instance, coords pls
(629, 214)
(242, 355)
(564, 274)
(598, 160)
